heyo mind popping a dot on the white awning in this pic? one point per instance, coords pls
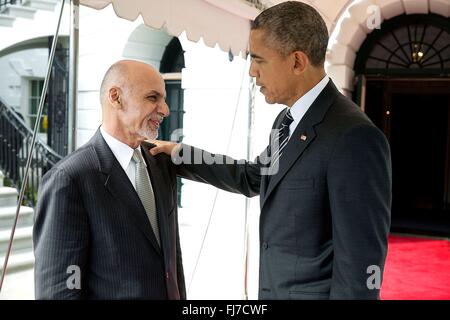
(222, 22)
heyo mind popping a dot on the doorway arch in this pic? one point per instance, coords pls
(352, 27)
(413, 45)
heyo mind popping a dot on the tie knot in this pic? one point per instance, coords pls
(288, 119)
(137, 156)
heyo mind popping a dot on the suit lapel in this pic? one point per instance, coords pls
(301, 138)
(293, 150)
(118, 184)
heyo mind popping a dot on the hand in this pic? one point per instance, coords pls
(166, 147)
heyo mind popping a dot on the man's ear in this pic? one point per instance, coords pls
(301, 62)
(114, 97)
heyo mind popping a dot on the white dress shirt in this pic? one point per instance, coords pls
(302, 105)
(123, 154)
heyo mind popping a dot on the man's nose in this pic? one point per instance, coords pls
(163, 109)
(252, 70)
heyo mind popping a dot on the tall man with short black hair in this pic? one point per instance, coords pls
(325, 204)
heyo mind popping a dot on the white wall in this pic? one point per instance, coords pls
(43, 24)
(147, 45)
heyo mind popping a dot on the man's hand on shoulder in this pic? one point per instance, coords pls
(167, 147)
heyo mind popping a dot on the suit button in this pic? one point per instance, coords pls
(167, 275)
(265, 245)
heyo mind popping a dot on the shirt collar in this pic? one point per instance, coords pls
(302, 105)
(121, 151)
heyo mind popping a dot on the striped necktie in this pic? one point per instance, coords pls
(145, 191)
(283, 136)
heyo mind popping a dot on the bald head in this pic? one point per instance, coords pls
(123, 74)
(133, 95)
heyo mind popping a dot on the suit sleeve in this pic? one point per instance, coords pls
(359, 186)
(60, 237)
(223, 172)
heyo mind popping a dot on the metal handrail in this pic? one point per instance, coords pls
(15, 143)
(5, 3)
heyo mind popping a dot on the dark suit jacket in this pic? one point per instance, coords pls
(89, 215)
(325, 216)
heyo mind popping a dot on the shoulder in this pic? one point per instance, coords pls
(162, 160)
(362, 140)
(345, 122)
(78, 163)
(344, 115)
(364, 132)
(165, 163)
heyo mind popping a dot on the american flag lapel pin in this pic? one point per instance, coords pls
(303, 137)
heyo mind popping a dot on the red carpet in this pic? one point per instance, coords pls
(416, 269)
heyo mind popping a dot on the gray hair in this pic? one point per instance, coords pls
(292, 26)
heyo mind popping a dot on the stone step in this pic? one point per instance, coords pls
(48, 5)
(6, 20)
(8, 214)
(19, 11)
(23, 240)
(8, 197)
(18, 262)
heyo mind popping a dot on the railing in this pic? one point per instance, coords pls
(58, 100)
(15, 144)
(4, 3)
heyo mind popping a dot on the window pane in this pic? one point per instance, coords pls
(36, 91)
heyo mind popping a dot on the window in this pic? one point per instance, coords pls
(36, 87)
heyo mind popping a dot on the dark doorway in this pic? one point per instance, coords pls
(403, 84)
(415, 115)
(419, 144)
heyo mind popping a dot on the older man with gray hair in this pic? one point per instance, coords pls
(106, 223)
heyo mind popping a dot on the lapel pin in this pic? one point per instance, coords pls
(303, 137)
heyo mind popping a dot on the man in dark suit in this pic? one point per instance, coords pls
(107, 224)
(324, 180)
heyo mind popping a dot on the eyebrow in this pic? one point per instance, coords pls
(154, 92)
